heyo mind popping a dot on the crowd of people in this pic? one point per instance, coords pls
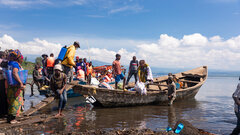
(56, 74)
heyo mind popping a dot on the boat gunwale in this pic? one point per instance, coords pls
(156, 91)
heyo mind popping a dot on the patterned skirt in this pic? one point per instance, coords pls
(15, 100)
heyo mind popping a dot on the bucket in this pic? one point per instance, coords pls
(62, 53)
(23, 75)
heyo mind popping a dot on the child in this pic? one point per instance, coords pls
(58, 83)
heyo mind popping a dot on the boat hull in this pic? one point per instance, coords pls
(120, 98)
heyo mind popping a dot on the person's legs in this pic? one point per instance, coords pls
(64, 95)
(67, 71)
(236, 130)
(171, 100)
(60, 103)
(129, 77)
(135, 76)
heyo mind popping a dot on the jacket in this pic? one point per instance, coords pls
(69, 57)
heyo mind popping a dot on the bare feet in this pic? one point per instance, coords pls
(14, 122)
(62, 114)
(58, 115)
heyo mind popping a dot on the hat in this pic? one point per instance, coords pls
(77, 57)
(44, 55)
(76, 43)
(58, 67)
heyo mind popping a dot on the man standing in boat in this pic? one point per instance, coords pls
(171, 90)
(68, 62)
(117, 72)
(236, 98)
(133, 69)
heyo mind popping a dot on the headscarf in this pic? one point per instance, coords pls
(15, 54)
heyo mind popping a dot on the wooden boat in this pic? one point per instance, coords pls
(156, 92)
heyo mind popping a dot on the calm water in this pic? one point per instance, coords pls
(212, 110)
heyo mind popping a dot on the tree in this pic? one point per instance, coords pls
(38, 60)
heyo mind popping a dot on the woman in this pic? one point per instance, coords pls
(15, 92)
(144, 72)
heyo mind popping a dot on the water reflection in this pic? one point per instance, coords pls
(212, 110)
(81, 117)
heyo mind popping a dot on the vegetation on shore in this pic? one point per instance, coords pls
(27, 65)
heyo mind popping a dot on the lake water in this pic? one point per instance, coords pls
(211, 110)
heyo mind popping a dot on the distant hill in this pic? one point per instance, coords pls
(161, 71)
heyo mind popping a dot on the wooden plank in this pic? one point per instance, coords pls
(39, 106)
(27, 121)
(189, 81)
(71, 85)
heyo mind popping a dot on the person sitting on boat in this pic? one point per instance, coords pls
(171, 90)
(133, 69)
(37, 77)
(57, 84)
(144, 72)
(80, 74)
(68, 62)
(117, 72)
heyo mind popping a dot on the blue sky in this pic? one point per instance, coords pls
(132, 19)
(125, 24)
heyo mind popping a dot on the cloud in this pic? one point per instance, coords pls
(23, 3)
(134, 8)
(188, 52)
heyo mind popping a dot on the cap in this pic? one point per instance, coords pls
(58, 67)
(77, 57)
(76, 43)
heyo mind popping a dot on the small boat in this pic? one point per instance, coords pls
(156, 92)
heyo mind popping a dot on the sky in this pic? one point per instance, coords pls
(166, 33)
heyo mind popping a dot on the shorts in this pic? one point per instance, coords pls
(119, 77)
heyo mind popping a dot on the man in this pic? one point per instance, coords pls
(44, 64)
(171, 90)
(236, 98)
(57, 84)
(82, 65)
(68, 62)
(86, 63)
(133, 69)
(117, 72)
(50, 65)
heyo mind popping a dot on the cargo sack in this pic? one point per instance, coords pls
(140, 88)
